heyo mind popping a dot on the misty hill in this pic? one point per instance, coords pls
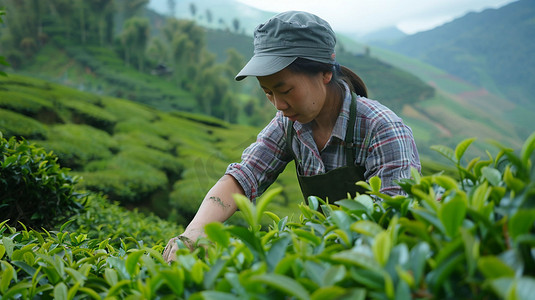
(216, 14)
(383, 35)
(493, 49)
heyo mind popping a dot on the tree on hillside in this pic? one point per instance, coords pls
(209, 17)
(186, 42)
(157, 51)
(134, 39)
(64, 11)
(2, 59)
(24, 26)
(193, 9)
(102, 12)
(171, 5)
(236, 24)
(81, 11)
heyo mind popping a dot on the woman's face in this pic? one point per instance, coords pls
(300, 97)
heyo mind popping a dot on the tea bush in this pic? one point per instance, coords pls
(76, 145)
(26, 104)
(14, 124)
(472, 238)
(34, 189)
(123, 179)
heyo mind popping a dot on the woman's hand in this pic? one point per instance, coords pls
(217, 206)
(169, 253)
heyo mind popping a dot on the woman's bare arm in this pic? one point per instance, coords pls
(218, 205)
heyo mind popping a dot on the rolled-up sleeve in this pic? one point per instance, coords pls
(263, 161)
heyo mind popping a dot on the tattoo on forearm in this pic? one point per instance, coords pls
(219, 201)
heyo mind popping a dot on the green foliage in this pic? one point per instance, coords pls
(34, 189)
(76, 145)
(103, 219)
(127, 179)
(2, 59)
(92, 115)
(14, 124)
(22, 102)
(443, 240)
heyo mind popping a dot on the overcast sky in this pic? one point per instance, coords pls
(364, 16)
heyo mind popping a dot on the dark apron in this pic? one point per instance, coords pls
(337, 183)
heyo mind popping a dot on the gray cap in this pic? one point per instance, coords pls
(284, 38)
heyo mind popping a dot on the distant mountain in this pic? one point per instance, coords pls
(384, 35)
(493, 49)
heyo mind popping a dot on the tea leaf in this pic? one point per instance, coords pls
(111, 276)
(381, 247)
(8, 244)
(211, 276)
(283, 283)
(513, 183)
(18, 289)
(452, 214)
(263, 202)
(333, 275)
(366, 227)
(445, 151)
(216, 233)
(197, 273)
(493, 267)
(418, 256)
(375, 184)
(132, 260)
(216, 295)
(527, 149)
(60, 291)
(90, 292)
(329, 292)
(461, 148)
(247, 209)
(446, 182)
(492, 175)
(8, 273)
(521, 222)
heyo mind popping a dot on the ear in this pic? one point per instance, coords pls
(327, 76)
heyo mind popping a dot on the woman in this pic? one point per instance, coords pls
(324, 122)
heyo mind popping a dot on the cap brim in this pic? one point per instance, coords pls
(264, 65)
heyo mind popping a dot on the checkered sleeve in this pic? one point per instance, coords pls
(391, 154)
(263, 161)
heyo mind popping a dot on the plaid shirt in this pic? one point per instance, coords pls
(383, 144)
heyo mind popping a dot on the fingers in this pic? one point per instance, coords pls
(169, 251)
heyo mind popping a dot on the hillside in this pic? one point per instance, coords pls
(134, 154)
(492, 49)
(442, 117)
(458, 110)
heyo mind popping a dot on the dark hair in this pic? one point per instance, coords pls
(310, 67)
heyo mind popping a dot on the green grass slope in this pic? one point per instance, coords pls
(142, 157)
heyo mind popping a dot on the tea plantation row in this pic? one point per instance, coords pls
(472, 238)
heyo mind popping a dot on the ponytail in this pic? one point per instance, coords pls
(355, 83)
